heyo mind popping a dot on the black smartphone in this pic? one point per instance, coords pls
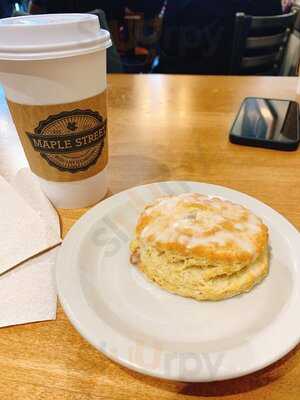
(267, 123)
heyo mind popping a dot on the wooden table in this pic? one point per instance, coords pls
(161, 128)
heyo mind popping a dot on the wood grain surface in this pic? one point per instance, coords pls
(162, 128)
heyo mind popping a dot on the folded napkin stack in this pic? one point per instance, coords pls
(29, 235)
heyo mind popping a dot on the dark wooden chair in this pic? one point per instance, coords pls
(259, 43)
(291, 61)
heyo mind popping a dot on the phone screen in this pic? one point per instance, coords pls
(267, 120)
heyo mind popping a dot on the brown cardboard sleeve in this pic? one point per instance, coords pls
(64, 142)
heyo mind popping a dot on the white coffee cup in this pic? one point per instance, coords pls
(56, 59)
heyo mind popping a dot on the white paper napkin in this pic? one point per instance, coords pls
(27, 292)
(23, 232)
(27, 185)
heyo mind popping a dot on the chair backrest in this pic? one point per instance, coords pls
(290, 63)
(259, 43)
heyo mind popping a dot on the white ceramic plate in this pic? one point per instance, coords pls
(149, 330)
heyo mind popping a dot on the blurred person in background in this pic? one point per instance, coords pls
(6, 8)
(197, 35)
(114, 9)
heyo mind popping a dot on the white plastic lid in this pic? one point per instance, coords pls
(50, 36)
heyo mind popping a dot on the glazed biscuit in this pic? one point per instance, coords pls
(201, 247)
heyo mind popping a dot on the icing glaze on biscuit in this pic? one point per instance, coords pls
(194, 221)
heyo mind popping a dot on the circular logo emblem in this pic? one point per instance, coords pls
(70, 141)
